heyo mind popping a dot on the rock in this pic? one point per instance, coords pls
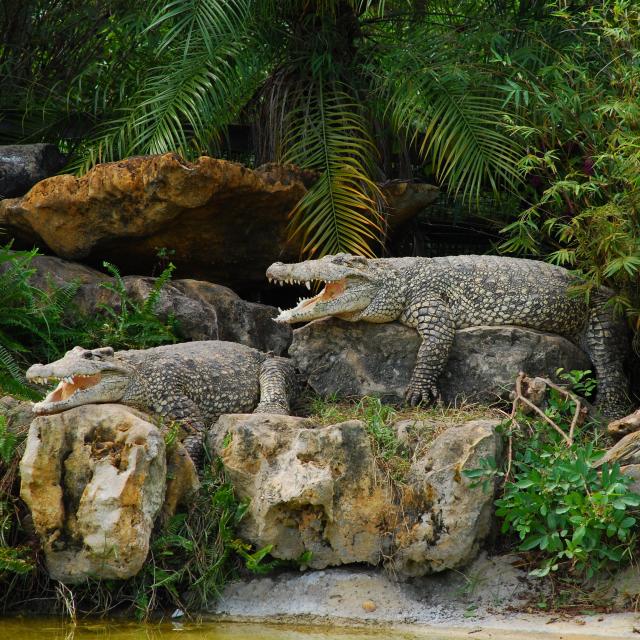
(220, 220)
(204, 311)
(319, 490)
(445, 518)
(217, 220)
(94, 480)
(182, 480)
(196, 319)
(406, 199)
(17, 413)
(310, 489)
(369, 606)
(633, 471)
(240, 321)
(624, 426)
(339, 358)
(22, 165)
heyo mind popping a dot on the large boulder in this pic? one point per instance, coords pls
(446, 517)
(94, 479)
(316, 493)
(220, 220)
(22, 165)
(217, 220)
(356, 359)
(203, 310)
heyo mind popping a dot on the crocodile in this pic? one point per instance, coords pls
(192, 383)
(437, 296)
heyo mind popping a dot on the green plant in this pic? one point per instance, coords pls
(583, 149)
(576, 515)
(32, 323)
(8, 441)
(360, 90)
(128, 323)
(578, 519)
(581, 382)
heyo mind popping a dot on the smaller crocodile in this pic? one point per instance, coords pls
(191, 382)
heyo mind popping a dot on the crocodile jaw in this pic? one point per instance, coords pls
(74, 391)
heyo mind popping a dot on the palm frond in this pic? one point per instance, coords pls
(454, 116)
(341, 212)
(184, 108)
(194, 21)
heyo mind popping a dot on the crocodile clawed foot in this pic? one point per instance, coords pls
(272, 407)
(422, 395)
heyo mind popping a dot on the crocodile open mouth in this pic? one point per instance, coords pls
(331, 290)
(68, 386)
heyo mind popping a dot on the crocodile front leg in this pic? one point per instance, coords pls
(277, 379)
(187, 413)
(434, 322)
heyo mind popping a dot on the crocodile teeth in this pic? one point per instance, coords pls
(308, 284)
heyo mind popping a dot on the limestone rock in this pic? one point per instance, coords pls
(311, 489)
(222, 221)
(94, 480)
(22, 165)
(356, 359)
(445, 518)
(319, 489)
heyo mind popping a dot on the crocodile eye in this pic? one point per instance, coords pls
(88, 355)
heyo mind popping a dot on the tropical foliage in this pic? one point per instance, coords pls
(360, 90)
(583, 157)
(572, 518)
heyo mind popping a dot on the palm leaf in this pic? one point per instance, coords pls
(341, 211)
(454, 116)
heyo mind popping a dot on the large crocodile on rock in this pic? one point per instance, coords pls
(192, 382)
(437, 296)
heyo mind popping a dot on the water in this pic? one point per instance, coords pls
(54, 629)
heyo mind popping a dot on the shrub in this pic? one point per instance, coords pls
(577, 519)
(32, 325)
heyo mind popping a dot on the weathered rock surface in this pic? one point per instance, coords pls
(204, 311)
(22, 165)
(219, 220)
(238, 320)
(445, 518)
(222, 221)
(94, 480)
(356, 359)
(311, 489)
(318, 489)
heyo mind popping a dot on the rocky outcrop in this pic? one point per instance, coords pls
(221, 221)
(22, 165)
(94, 479)
(317, 493)
(238, 320)
(357, 359)
(203, 310)
(218, 220)
(445, 517)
